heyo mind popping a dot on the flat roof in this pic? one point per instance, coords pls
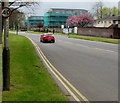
(66, 9)
(35, 16)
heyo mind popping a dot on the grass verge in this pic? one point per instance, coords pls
(30, 80)
(38, 32)
(34, 32)
(97, 39)
(12, 30)
(0, 72)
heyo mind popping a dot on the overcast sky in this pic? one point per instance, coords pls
(40, 9)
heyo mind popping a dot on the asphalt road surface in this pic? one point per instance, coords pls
(92, 67)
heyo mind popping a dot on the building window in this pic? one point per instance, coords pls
(110, 22)
(98, 22)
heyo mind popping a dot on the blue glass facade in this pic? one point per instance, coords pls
(58, 17)
(34, 20)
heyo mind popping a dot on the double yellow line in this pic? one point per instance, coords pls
(59, 76)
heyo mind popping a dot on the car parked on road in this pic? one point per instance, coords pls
(47, 37)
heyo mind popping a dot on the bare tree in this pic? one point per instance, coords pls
(17, 4)
(16, 19)
(96, 9)
(119, 5)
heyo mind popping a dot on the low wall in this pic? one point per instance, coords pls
(99, 32)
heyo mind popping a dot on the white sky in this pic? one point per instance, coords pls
(45, 5)
(65, 0)
(77, 0)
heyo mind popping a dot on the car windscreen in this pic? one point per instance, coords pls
(48, 35)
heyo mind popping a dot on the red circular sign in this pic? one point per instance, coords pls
(6, 12)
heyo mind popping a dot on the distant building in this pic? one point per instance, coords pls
(109, 22)
(32, 21)
(55, 17)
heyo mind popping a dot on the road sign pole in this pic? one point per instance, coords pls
(6, 54)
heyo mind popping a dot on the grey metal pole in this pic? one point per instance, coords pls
(0, 24)
(1, 76)
(6, 54)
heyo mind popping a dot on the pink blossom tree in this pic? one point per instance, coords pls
(72, 20)
(81, 20)
(40, 25)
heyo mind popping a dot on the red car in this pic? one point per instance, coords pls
(47, 37)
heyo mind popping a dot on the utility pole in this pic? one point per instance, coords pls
(0, 24)
(6, 53)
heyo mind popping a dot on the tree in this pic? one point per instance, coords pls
(107, 12)
(81, 20)
(115, 11)
(96, 9)
(16, 19)
(15, 5)
(119, 5)
(40, 25)
(73, 20)
(101, 12)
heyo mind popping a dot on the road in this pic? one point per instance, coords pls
(92, 67)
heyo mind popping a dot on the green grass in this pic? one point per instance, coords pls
(97, 39)
(0, 71)
(30, 80)
(39, 32)
(12, 30)
(73, 35)
(35, 32)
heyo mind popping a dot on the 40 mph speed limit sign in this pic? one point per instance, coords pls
(6, 12)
